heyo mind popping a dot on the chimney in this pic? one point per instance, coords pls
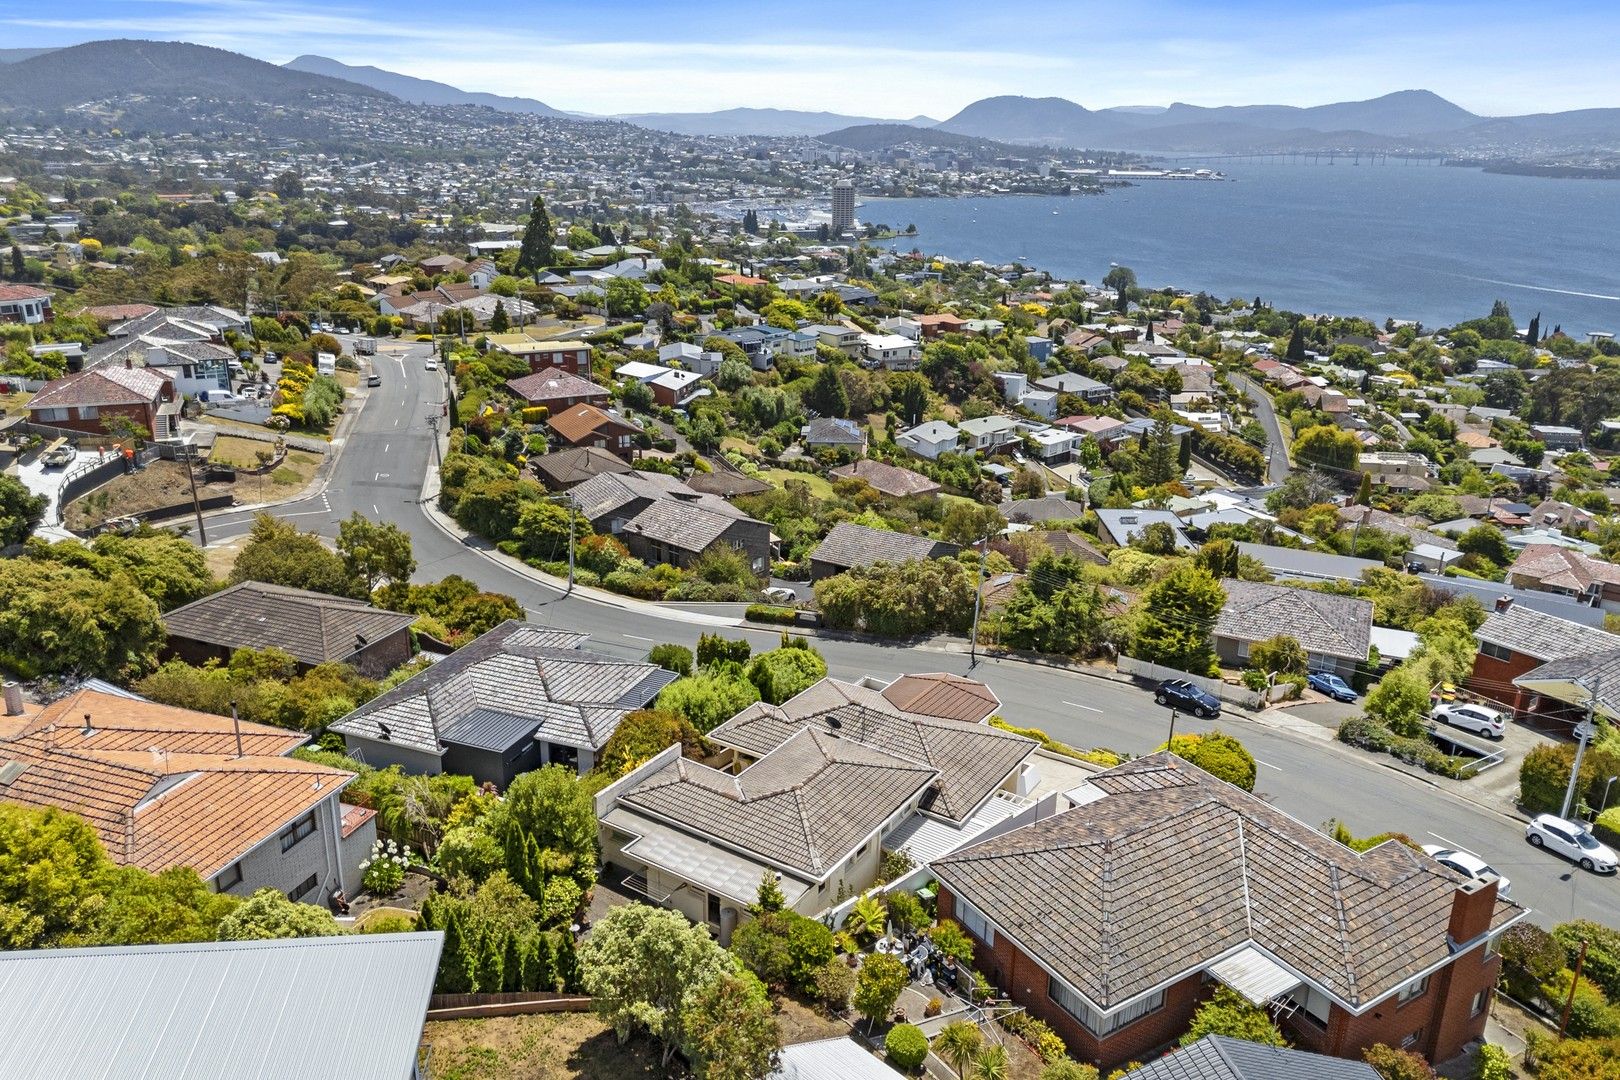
(128, 364)
(1471, 908)
(88, 729)
(14, 699)
(1503, 603)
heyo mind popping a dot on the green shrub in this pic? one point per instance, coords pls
(1590, 1015)
(1544, 776)
(1219, 754)
(834, 982)
(906, 1047)
(1038, 1034)
(1492, 1063)
(1393, 1064)
(1530, 957)
(952, 940)
(1602, 964)
(905, 910)
(672, 657)
(771, 613)
(1370, 734)
(1255, 679)
(713, 649)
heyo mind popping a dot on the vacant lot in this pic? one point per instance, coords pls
(820, 486)
(161, 483)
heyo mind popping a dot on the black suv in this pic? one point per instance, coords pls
(1181, 694)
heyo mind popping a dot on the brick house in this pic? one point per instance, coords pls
(1515, 639)
(587, 425)
(24, 304)
(315, 628)
(572, 356)
(84, 400)
(1554, 569)
(556, 390)
(1114, 919)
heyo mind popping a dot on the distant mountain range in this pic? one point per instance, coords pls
(1405, 120)
(416, 91)
(95, 70)
(784, 122)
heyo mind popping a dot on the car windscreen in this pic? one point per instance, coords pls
(1586, 840)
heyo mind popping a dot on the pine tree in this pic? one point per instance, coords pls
(1296, 342)
(1533, 336)
(498, 322)
(537, 239)
(515, 970)
(1364, 490)
(1159, 456)
(19, 269)
(827, 395)
(1186, 453)
(456, 975)
(1150, 330)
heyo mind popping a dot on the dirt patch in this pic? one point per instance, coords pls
(801, 1023)
(560, 1046)
(14, 404)
(161, 483)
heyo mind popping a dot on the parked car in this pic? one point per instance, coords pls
(1468, 865)
(1573, 840)
(1468, 717)
(431, 365)
(1585, 730)
(1181, 694)
(215, 397)
(1325, 682)
(778, 595)
(374, 379)
(59, 457)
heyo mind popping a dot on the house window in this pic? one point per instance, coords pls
(1412, 1039)
(295, 832)
(974, 922)
(89, 412)
(303, 889)
(1477, 1006)
(1415, 989)
(1093, 1021)
(51, 416)
(714, 910)
(1495, 651)
(228, 878)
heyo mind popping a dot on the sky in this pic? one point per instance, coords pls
(900, 58)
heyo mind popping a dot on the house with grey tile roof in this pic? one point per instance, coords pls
(1108, 919)
(519, 697)
(1122, 526)
(849, 545)
(1517, 640)
(661, 520)
(831, 432)
(314, 627)
(1220, 1057)
(1335, 631)
(886, 479)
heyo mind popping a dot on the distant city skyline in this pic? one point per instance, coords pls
(905, 58)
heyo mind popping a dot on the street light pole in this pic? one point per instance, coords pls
(978, 604)
(196, 505)
(1580, 748)
(1173, 714)
(1607, 784)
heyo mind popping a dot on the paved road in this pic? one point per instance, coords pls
(1278, 453)
(390, 446)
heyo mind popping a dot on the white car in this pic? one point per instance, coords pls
(1468, 717)
(1573, 840)
(778, 595)
(1468, 865)
(431, 365)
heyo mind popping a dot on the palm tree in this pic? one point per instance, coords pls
(868, 918)
(958, 1043)
(991, 1064)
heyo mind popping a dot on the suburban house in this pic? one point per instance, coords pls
(86, 400)
(987, 434)
(167, 787)
(886, 479)
(587, 425)
(1397, 471)
(674, 387)
(24, 304)
(1087, 389)
(1555, 437)
(1120, 527)
(661, 520)
(556, 390)
(846, 339)
(1046, 508)
(1113, 920)
(1221, 1057)
(892, 351)
(571, 356)
(932, 326)
(1554, 569)
(519, 697)
(849, 545)
(930, 440)
(565, 469)
(833, 433)
(1516, 639)
(314, 627)
(813, 791)
(193, 366)
(227, 1008)
(1335, 631)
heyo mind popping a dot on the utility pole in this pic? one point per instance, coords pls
(1569, 1002)
(978, 603)
(196, 505)
(568, 507)
(1580, 748)
(1173, 714)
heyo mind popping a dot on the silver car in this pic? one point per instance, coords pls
(1468, 865)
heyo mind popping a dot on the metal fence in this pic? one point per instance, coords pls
(1241, 696)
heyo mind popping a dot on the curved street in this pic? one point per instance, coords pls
(389, 446)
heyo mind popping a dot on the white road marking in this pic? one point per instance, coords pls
(373, 508)
(637, 637)
(386, 446)
(1268, 764)
(1443, 840)
(1088, 708)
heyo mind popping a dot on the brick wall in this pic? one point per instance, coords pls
(381, 657)
(1493, 678)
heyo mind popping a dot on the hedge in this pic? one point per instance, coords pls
(1602, 965)
(906, 1046)
(1369, 734)
(1105, 758)
(1544, 776)
(771, 613)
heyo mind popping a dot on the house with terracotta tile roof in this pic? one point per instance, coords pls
(556, 389)
(1554, 569)
(586, 425)
(84, 400)
(166, 787)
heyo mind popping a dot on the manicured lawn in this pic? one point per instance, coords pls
(820, 486)
(239, 453)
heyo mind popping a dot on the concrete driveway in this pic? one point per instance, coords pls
(48, 481)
